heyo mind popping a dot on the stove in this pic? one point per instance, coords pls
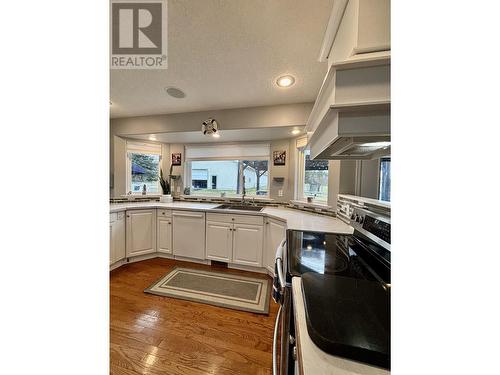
(346, 281)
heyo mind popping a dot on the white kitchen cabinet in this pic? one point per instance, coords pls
(116, 237)
(188, 234)
(141, 232)
(219, 241)
(247, 244)
(164, 233)
(275, 233)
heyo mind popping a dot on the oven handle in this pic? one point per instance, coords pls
(279, 263)
(275, 342)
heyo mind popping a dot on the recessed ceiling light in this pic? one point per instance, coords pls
(295, 131)
(152, 137)
(216, 135)
(174, 92)
(285, 81)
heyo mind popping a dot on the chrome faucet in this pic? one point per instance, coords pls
(244, 192)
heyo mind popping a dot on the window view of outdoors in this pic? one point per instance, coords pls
(385, 180)
(315, 178)
(213, 177)
(145, 171)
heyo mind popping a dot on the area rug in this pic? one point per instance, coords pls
(215, 288)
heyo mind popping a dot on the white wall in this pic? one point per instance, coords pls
(238, 118)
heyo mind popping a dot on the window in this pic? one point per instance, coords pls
(227, 176)
(384, 192)
(216, 169)
(143, 167)
(314, 180)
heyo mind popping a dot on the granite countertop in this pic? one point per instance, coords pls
(313, 360)
(295, 219)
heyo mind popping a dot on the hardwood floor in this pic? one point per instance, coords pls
(159, 335)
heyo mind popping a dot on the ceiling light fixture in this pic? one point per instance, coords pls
(295, 131)
(285, 81)
(152, 137)
(210, 127)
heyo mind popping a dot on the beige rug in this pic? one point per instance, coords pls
(215, 288)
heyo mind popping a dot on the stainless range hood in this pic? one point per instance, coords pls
(358, 148)
(354, 131)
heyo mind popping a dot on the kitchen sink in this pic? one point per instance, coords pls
(241, 207)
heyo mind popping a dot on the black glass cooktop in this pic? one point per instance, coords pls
(346, 288)
(323, 253)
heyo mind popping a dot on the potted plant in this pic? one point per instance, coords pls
(165, 187)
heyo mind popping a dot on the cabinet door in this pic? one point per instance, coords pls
(119, 238)
(219, 241)
(111, 243)
(164, 234)
(247, 244)
(141, 232)
(275, 233)
(188, 234)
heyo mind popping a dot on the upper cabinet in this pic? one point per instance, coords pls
(351, 115)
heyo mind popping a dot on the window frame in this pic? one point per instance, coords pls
(189, 181)
(300, 174)
(379, 182)
(144, 148)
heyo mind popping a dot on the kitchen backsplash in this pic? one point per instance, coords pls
(262, 202)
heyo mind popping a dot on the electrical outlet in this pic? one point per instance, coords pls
(280, 192)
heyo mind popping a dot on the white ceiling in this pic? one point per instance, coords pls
(230, 135)
(227, 54)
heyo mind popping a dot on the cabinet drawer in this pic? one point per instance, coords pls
(239, 219)
(163, 213)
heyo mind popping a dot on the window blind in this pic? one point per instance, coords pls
(301, 142)
(235, 151)
(143, 148)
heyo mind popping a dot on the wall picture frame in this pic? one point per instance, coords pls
(279, 157)
(177, 158)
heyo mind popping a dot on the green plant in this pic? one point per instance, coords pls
(165, 184)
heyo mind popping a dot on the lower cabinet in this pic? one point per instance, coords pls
(219, 241)
(141, 232)
(275, 233)
(116, 237)
(247, 245)
(164, 233)
(235, 238)
(188, 234)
